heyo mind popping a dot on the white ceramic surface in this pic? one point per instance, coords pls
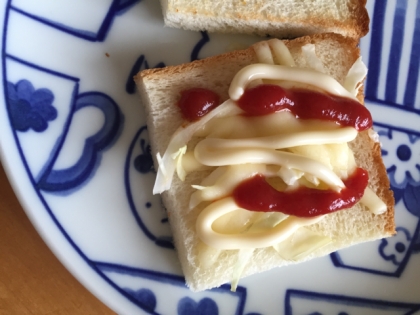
(74, 145)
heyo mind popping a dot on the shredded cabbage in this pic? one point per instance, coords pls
(289, 176)
(262, 222)
(312, 179)
(373, 202)
(312, 59)
(198, 187)
(167, 164)
(267, 220)
(235, 222)
(178, 157)
(161, 165)
(355, 76)
(243, 257)
(300, 244)
(207, 255)
(374, 136)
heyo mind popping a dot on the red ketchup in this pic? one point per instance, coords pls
(197, 102)
(257, 195)
(305, 104)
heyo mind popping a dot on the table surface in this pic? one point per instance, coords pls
(32, 280)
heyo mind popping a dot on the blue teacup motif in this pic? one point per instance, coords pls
(139, 174)
(314, 303)
(93, 29)
(38, 117)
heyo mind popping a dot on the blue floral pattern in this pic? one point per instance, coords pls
(402, 149)
(30, 108)
(395, 248)
(143, 163)
(206, 306)
(145, 298)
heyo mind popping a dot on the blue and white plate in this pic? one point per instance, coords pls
(75, 146)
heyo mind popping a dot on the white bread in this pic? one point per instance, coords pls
(160, 90)
(278, 18)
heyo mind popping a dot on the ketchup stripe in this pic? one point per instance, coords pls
(256, 194)
(266, 99)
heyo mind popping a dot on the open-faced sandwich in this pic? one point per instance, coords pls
(266, 157)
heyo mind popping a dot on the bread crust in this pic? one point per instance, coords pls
(207, 73)
(277, 18)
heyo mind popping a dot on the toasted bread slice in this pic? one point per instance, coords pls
(160, 92)
(278, 18)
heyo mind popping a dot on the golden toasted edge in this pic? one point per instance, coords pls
(170, 70)
(356, 26)
(383, 191)
(249, 53)
(361, 19)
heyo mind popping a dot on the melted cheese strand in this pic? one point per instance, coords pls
(245, 240)
(277, 72)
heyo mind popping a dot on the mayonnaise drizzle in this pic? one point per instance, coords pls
(263, 52)
(259, 239)
(278, 72)
(281, 53)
